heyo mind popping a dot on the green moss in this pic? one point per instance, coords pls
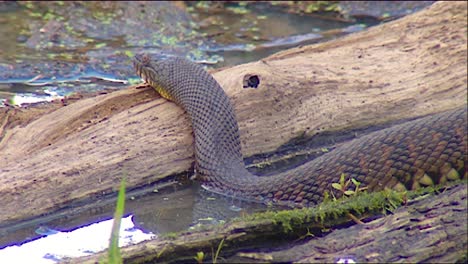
(100, 45)
(239, 10)
(463, 259)
(202, 5)
(318, 6)
(170, 235)
(331, 212)
(172, 41)
(104, 17)
(29, 5)
(35, 14)
(48, 16)
(129, 53)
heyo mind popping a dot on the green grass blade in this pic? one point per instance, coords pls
(114, 256)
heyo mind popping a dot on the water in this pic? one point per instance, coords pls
(53, 50)
(79, 232)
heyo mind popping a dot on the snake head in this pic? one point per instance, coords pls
(173, 76)
(157, 71)
(150, 69)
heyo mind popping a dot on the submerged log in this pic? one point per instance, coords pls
(407, 68)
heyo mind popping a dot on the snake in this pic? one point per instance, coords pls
(423, 152)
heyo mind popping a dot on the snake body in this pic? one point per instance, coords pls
(423, 152)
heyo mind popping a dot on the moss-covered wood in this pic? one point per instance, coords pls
(430, 228)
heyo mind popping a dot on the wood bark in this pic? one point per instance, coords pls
(407, 68)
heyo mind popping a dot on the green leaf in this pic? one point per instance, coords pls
(114, 256)
(355, 182)
(215, 256)
(199, 257)
(336, 186)
(342, 179)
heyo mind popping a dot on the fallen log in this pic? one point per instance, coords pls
(407, 68)
(428, 229)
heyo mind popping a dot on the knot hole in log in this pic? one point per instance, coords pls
(251, 81)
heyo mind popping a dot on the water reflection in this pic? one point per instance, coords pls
(79, 242)
(191, 207)
(86, 231)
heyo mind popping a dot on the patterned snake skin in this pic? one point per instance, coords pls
(423, 152)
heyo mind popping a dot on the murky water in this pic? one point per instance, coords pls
(52, 50)
(80, 232)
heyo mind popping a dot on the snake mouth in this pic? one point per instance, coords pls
(140, 62)
(144, 68)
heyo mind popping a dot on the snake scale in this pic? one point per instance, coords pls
(423, 152)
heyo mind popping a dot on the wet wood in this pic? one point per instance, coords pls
(429, 229)
(403, 69)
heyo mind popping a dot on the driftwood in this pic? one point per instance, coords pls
(403, 69)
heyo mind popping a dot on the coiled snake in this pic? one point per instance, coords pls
(423, 152)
